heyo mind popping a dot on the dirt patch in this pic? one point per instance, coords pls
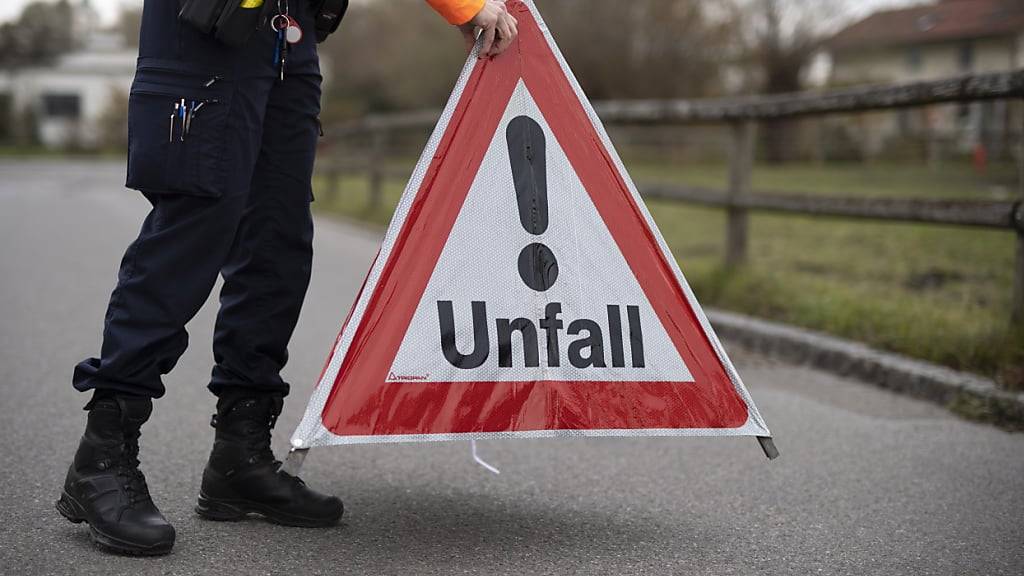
(932, 279)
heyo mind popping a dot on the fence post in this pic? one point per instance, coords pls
(376, 168)
(336, 177)
(1018, 277)
(740, 166)
(332, 187)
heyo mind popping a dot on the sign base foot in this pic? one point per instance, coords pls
(768, 445)
(293, 463)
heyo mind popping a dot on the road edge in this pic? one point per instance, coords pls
(966, 394)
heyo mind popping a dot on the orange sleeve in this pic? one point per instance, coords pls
(457, 11)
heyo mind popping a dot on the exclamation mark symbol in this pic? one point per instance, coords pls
(526, 146)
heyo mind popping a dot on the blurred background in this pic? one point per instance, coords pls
(938, 292)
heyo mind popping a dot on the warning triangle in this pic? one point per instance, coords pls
(522, 289)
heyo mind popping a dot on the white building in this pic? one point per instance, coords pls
(934, 41)
(69, 99)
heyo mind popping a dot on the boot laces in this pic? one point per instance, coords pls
(259, 434)
(258, 438)
(132, 479)
(259, 443)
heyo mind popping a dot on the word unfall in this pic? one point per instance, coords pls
(587, 351)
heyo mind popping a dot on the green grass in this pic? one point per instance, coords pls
(937, 293)
(351, 199)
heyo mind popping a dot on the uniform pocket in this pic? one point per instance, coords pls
(178, 150)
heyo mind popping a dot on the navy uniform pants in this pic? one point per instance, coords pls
(230, 197)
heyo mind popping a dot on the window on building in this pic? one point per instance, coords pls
(966, 57)
(6, 116)
(62, 106)
(914, 59)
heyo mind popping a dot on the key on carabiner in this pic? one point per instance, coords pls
(279, 24)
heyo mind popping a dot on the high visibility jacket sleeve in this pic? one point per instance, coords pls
(457, 11)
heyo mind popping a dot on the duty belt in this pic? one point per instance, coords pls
(233, 22)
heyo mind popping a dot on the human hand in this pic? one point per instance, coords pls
(498, 27)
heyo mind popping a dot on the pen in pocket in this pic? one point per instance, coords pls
(182, 112)
(174, 115)
(188, 117)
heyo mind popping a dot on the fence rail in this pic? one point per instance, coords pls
(742, 115)
(999, 214)
(969, 88)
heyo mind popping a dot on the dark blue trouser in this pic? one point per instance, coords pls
(230, 197)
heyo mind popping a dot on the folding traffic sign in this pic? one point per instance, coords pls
(523, 289)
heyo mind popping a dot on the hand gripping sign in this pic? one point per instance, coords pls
(522, 289)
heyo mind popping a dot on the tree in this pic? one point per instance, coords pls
(783, 36)
(397, 54)
(44, 31)
(128, 24)
(787, 34)
(643, 48)
(112, 124)
(390, 55)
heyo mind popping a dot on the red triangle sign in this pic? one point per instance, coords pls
(523, 289)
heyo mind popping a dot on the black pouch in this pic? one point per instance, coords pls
(327, 16)
(232, 22)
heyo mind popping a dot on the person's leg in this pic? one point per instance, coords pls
(166, 275)
(198, 183)
(265, 281)
(267, 272)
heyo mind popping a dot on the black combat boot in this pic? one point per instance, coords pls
(104, 486)
(242, 476)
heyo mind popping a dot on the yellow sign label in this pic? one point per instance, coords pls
(252, 3)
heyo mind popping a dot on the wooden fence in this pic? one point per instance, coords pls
(742, 115)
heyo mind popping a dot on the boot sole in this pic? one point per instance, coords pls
(75, 513)
(224, 510)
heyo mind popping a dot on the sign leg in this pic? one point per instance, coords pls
(767, 445)
(293, 463)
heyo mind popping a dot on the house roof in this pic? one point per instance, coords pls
(948, 20)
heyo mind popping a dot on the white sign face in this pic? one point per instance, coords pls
(590, 321)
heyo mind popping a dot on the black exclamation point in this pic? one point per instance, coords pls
(537, 264)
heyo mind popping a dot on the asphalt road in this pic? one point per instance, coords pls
(868, 482)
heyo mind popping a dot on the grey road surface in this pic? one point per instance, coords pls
(868, 482)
